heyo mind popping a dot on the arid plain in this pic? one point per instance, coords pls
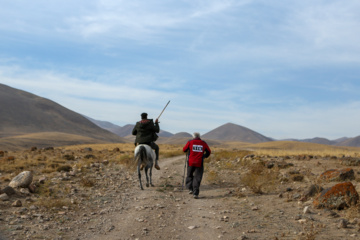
(249, 191)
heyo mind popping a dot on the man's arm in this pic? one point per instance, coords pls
(186, 147)
(134, 131)
(207, 150)
(156, 126)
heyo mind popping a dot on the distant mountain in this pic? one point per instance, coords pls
(350, 142)
(25, 113)
(319, 140)
(339, 140)
(108, 126)
(182, 135)
(125, 130)
(233, 132)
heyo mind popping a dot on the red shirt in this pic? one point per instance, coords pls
(198, 151)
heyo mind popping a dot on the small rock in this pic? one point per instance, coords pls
(17, 203)
(8, 190)
(22, 180)
(342, 223)
(25, 191)
(192, 227)
(306, 210)
(302, 221)
(32, 188)
(4, 197)
(42, 180)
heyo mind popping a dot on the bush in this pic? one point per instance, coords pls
(64, 168)
(260, 179)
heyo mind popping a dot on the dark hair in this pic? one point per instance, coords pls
(144, 116)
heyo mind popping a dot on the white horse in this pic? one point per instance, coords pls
(144, 157)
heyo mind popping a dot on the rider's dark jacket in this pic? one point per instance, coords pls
(145, 131)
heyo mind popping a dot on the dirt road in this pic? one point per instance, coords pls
(165, 211)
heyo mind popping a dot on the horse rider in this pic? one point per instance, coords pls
(145, 132)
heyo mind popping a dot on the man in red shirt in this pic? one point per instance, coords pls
(196, 150)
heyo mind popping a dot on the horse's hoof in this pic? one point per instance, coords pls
(147, 185)
(142, 189)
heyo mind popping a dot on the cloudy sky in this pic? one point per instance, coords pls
(286, 69)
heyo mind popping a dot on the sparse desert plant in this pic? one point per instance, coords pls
(64, 168)
(212, 176)
(128, 161)
(222, 155)
(310, 231)
(165, 186)
(86, 182)
(260, 179)
(69, 157)
(353, 211)
(171, 153)
(51, 203)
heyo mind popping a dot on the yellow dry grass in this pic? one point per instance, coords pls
(283, 148)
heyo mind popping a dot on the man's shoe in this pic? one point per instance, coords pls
(191, 192)
(196, 196)
(157, 167)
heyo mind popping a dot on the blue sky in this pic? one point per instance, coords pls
(286, 69)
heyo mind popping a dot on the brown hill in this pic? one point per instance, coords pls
(319, 141)
(182, 135)
(233, 132)
(24, 113)
(351, 142)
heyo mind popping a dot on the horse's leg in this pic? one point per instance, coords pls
(139, 174)
(151, 167)
(147, 177)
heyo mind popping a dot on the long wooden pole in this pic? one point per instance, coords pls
(163, 109)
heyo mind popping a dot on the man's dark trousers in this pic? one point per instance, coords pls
(193, 178)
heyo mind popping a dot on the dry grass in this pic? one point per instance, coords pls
(260, 179)
(290, 148)
(86, 182)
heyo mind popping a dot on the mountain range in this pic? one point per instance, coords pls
(27, 120)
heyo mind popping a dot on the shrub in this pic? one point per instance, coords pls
(86, 182)
(65, 168)
(69, 157)
(260, 179)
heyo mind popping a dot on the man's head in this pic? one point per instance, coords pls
(144, 116)
(196, 135)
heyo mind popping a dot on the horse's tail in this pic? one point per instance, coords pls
(142, 156)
